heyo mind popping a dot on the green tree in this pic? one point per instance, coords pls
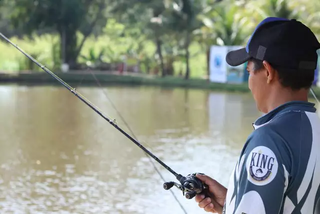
(309, 14)
(6, 6)
(67, 18)
(146, 16)
(224, 23)
(275, 8)
(180, 20)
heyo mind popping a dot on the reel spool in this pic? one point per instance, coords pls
(189, 185)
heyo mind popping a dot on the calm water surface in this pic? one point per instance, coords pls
(59, 156)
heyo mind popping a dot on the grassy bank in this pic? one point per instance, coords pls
(43, 49)
(86, 78)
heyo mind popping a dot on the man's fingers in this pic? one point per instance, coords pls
(216, 194)
(205, 202)
(209, 208)
(199, 198)
(206, 179)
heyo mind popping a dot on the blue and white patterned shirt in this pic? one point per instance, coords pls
(279, 167)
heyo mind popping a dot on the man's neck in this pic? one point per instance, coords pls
(282, 95)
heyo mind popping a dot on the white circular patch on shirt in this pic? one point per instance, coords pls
(261, 165)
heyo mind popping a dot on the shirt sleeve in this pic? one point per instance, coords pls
(262, 175)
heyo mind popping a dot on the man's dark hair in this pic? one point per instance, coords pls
(294, 79)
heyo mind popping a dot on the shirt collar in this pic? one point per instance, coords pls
(289, 106)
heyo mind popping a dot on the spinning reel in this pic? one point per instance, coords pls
(189, 185)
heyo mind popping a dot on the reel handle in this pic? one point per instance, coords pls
(190, 195)
(191, 186)
(168, 185)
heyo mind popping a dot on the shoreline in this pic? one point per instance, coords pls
(107, 78)
(86, 78)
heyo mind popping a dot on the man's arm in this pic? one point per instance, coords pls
(259, 180)
(262, 176)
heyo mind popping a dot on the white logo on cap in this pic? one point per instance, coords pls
(262, 166)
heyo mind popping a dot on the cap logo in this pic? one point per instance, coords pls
(261, 52)
(307, 65)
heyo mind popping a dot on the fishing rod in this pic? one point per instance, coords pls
(132, 133)
(190, 185)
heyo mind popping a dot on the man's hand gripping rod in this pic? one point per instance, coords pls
(189, 185)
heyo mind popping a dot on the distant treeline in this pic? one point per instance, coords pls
(172, 26)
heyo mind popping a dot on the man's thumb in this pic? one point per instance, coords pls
(206, 179)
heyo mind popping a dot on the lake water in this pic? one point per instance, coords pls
(59, 156)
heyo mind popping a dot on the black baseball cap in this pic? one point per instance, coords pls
(282, 42)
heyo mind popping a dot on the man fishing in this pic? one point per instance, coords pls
(279, 167)
(278, 170)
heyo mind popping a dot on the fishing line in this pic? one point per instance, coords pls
(79, 84)
(189, 185)
(312, 91)
(92, 106)
(132, 133)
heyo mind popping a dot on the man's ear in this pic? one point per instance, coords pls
(270, 71)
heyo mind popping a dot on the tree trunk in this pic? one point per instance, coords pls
(70, 50)
(208, 63)
(90, 29)
(159, 51)
(187, 44)
(68, 41)
(63, 45)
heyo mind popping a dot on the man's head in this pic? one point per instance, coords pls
(281, 56)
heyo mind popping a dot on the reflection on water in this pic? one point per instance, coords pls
(58, 156)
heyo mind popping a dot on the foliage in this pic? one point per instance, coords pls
(58, 16)
(225, 24)
(275, 8)
(309, 13)
(181, 21)
(169, 37)
(93, 58)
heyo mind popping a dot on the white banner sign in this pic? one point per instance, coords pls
(218, 64)
(235, 73)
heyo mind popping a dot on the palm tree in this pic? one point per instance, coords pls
(181, 20)
(224, 24)
(307, 11)
(276, 8)
(310, 14)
